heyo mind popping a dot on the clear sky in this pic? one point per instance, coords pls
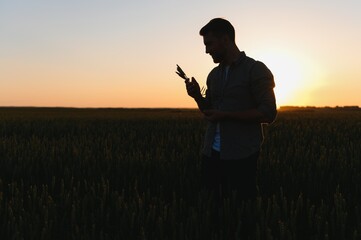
(78, 53)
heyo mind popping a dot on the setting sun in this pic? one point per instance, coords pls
(292, 74)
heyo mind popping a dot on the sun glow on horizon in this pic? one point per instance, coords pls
(295, 77)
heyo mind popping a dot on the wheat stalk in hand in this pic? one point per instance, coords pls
(181, 73)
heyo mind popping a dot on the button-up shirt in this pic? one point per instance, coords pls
(248, 85)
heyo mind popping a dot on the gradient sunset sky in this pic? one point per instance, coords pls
(124, 53)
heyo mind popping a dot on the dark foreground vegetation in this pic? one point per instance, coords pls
(134, 174)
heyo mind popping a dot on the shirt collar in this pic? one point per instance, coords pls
(238, 61)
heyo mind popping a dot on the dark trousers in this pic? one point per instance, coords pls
(228, 179)
(225, 177)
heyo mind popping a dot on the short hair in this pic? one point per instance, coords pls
(219, 27)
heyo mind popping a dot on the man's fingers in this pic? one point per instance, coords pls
(191, 85)
(192, 88)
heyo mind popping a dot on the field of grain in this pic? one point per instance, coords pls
(135, 174)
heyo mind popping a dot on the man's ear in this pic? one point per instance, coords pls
(225, 39)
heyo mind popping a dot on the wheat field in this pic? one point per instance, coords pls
(135, 174)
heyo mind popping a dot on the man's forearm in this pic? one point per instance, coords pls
(252, 115)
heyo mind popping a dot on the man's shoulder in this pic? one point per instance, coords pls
(259, 69)
(214, 72)
(255, 67)
(253, 63)
(248, 63)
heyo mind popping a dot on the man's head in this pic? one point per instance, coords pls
(219, 27)
(218, 37)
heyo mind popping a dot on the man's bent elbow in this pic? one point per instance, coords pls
(269, 114)
(272, 117)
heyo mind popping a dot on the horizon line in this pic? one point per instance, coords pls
(70, 107)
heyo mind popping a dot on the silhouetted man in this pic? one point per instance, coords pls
(239, 98)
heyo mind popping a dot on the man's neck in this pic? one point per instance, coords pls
(233, 56)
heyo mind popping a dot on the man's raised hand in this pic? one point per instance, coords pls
(193, 89)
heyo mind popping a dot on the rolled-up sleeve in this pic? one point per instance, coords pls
(262, 84)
